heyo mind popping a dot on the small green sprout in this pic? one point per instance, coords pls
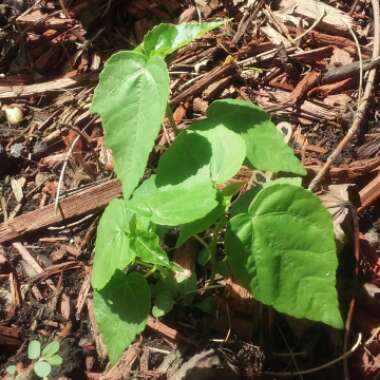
(44, 360)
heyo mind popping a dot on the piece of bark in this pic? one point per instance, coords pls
(9, 336)
(334, 20)
(240, 299)
(100, 347)
(83, 202)
(15, 91)
(123, 367)
(168, 332)
(351, 172)
(216, 88)
(309, 110)
(329, 39)
(346, 71)
(303, 86)
(211, 77)
(333, 88)
(205, 365)
(36, 19)
(313, 55)
(28, 258)
(370, 193)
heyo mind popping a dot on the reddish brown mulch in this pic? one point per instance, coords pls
(51, 53)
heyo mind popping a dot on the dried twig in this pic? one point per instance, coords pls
(83, 202)
(65, 162)
(8, 92)
(168, 332)
(321, 367)
(362, 109)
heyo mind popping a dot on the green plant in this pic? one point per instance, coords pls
(43, 361)
(279, 240)
(12, 372)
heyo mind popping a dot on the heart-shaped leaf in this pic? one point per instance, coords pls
(121, 310)
(266, 149)
(131, 99)
(283, 250)
(172, 205)
(163, 303)
(190, 229)
(112, 244)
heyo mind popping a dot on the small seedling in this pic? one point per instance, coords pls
(12, 372)
(278, 237)
(45, 360)
(42, 362)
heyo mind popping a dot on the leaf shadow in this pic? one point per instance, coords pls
(189, 156)
(116, 288)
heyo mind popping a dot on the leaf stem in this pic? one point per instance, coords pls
(172, 124)
(201, 241)
(150, 272)
(204, 289)
(212, 247)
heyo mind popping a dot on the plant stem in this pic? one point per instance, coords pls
(219, 226)
(205, 289)
(169, 115)
(150, 272)
(201, 241)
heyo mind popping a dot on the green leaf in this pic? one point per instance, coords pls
(241, 205)
(146, 245)
(187, 286)
(54, 360)
(34, 350)
(163, 303)
(121, 311)
(266, 149)
(296, 181)
(203, 152)
(204, 256)
(51, 349)
(200, 225)
(173, 205)
(164, 39)
(112, 244)
(207, 305)
(131, 99)
(228, 149)
(187, 160)
(11, 370)
(283, 250)
(42, 369)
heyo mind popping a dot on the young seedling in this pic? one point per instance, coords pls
(12, 372)
(42, 362)
(278, 237)
(45, 360)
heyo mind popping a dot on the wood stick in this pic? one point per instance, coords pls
(363, 107)
(168, 332)
(370, 193)
(15, 91)
(83, 202)
(211, 77)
